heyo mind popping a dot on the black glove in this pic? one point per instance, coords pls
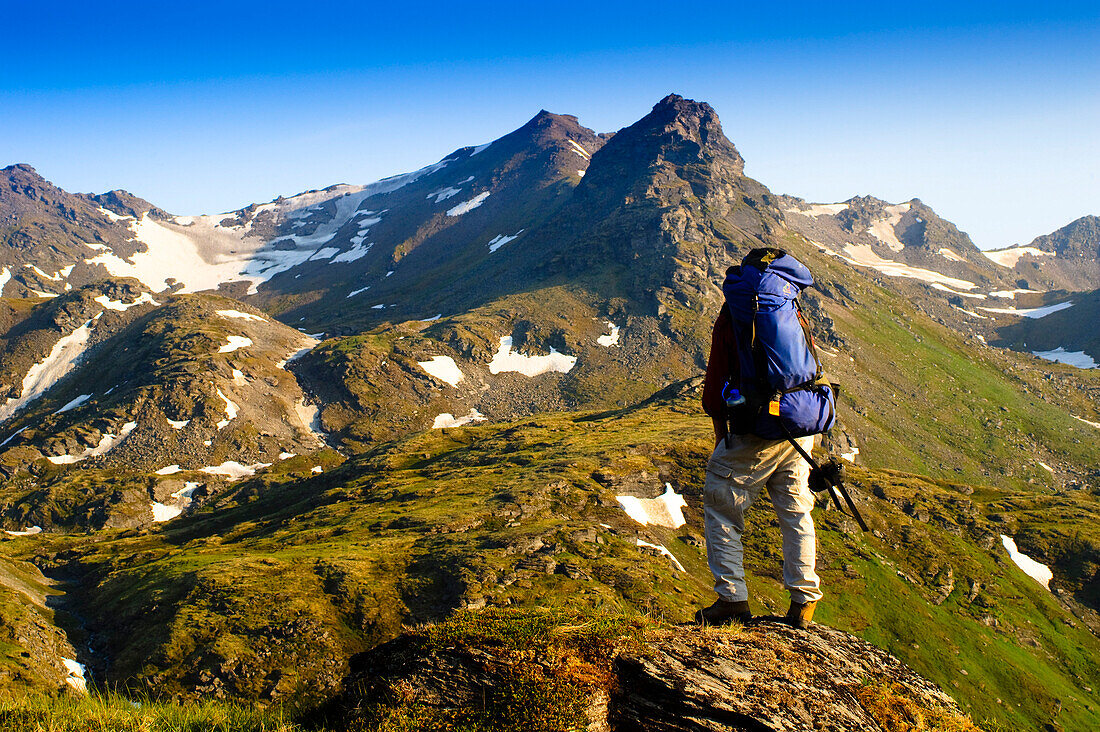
(827, 474)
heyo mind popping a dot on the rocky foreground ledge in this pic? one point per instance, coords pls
(533, 673)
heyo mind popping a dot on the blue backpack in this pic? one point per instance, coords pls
(785, 394)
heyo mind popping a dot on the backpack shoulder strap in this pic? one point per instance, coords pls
(809, 339)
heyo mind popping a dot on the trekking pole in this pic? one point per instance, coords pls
(831, 482)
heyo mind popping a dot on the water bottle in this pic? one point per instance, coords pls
(732, 396)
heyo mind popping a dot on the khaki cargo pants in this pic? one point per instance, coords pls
(735, 477)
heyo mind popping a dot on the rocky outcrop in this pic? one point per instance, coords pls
(763, 678)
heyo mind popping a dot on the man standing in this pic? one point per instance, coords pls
(742, 465)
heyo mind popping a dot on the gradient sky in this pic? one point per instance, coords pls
(987, 111)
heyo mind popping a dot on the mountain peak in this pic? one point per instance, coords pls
(679, 131)
(22, 173)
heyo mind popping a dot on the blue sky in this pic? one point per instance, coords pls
(986, 111)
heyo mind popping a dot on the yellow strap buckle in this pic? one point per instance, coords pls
(773, 408)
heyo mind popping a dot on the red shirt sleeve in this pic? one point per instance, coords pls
(722, 344)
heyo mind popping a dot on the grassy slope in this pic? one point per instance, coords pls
(441, 519)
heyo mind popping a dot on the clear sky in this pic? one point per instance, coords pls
(987, 111)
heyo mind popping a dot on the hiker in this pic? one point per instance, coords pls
(763, 390)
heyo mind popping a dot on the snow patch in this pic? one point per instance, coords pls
(1045, 466)
(234, 470)
(106, 443)
(611, 339)
(501, 239)
(883, 229)
(506, 360)
(143, 298)
(1032, 312)
(5, 276)
(580, 150)
(353, 293)
(1080, 359)
(241, 315)
(479, 149)
(74, 403)
(950, 255)
(324, 253)
(443, 368)
(163, 512)
(449, 420)
(661, 548)
(169, 470)
(178, 424)
(864, 256)
(1036, 570)
(112, 216)
(1009, 257)
(850, 456)
(75, 676)
(664, 510)
(1011, 294)
(467, 206)
(445, 193)
(310, 416)
(819, 209)
(1082, 419)
(310, 343)
(47, 372)
(358, 251)
(29, 531)
(13, 435)
(234, 343)
(971, 295)
(230, 411)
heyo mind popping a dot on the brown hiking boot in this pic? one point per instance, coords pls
(724, 612)
(799, 616)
